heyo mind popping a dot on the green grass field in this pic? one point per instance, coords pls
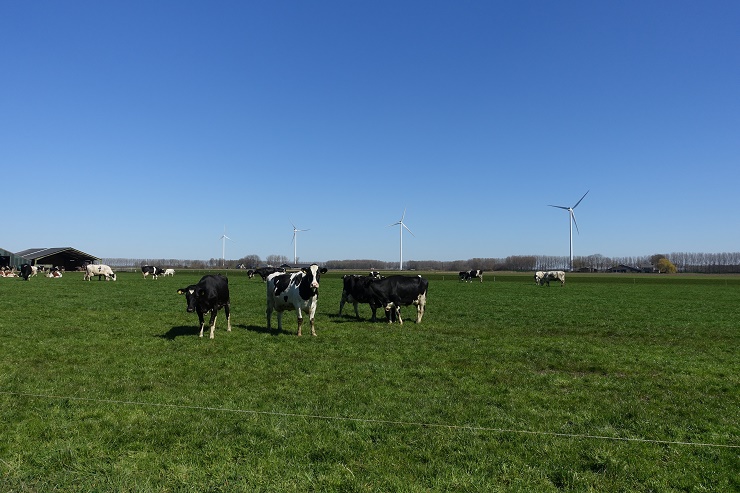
(612, 383)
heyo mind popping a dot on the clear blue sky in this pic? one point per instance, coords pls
(140, 129)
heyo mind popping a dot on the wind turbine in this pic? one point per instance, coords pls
(223, 247)
(571, 220)
(295, 242)
(401, 225)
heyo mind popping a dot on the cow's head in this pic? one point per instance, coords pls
(312, 274)
(250, 273)
(113, 276)
(191, 293)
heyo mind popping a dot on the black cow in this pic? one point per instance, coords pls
(396, 291)
(26, 271)
(356, 290)
(150, 269)
(209, 295)
(469, 275)
(264, 272)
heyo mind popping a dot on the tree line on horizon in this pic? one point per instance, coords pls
(708, 263)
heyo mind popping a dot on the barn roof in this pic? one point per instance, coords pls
(39, 254)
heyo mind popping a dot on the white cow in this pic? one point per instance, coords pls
(169, 272)
(100, 270)
(297, 291)
(542, 278)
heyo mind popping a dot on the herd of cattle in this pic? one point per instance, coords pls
(299, 291)
(28, 271)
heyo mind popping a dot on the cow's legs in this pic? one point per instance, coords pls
(202, 323)
(269, 315)
(280, 320)
(313, 327)
(421, 304)
(393, 311)
(357, 312)
(214, 315)
(228, 317)
(299, 314)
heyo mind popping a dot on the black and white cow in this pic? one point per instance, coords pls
(541, 278)
(297, 291)
(26, 271)
(393, 292)
(469, 275)
(208, 296)
(356, 290)
(150, 269)
(264, 272)
(100, 270)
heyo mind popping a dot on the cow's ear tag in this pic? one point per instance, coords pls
(180, 291)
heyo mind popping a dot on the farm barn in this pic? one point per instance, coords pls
(66, 258)
(10, 259)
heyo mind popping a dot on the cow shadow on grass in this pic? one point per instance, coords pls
(194, 331)
(345, 318)
(264, 330)
(182, 330)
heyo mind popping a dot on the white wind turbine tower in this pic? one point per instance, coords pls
(571, 220)
(295, 242)
(223, 247)
(401, 225)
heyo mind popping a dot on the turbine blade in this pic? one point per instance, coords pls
(584, 196)
(404, 215)
(573, 215)
(407, 229)
(560, 207)
(394, 224)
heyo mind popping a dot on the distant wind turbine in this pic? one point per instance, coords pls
(401, 225)
(223, 247)
(295, 242)
(571, 220)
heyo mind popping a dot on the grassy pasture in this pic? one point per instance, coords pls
(613, 383)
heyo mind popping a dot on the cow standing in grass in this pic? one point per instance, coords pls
(541, 278)
(26, 271)
(356, 290)
(208, 296)
(150, 269)
(393, 292)
(100, 270)
(297, 291)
